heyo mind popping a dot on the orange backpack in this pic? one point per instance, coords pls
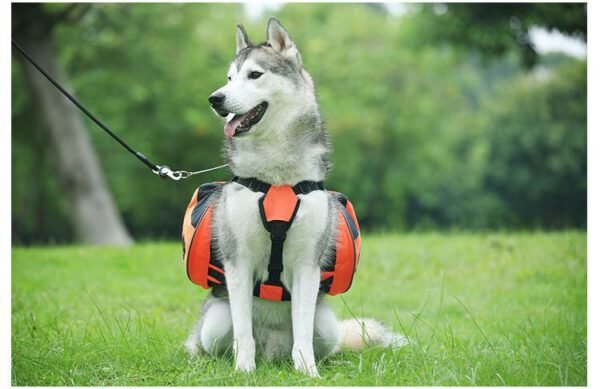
(277, 208)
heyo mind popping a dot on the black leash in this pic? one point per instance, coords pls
(162, 171)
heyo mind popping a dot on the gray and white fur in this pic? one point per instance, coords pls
(287, 144)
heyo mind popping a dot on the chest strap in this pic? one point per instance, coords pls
(256, 185)
(278, 209)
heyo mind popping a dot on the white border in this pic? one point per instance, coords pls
(5, 192)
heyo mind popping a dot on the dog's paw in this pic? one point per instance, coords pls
(304, 362)
(310, 371)
(245, 364)
(244, 355)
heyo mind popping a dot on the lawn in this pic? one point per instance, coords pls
(478, 309)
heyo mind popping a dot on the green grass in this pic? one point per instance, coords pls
(479, 309)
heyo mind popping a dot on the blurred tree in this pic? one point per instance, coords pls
(537, 165)
(94, 215)
(496, 28)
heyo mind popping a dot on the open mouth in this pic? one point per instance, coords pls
(241, 123)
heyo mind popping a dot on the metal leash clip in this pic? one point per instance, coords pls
(165, 171)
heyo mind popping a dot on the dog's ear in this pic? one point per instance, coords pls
(241, 39)
(281, 41)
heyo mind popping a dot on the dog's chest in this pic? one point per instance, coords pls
(252, 240)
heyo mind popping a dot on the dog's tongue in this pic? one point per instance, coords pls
(232, 125)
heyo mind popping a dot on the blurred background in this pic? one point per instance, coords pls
(442, 116)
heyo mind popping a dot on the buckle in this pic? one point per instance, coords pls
(271, 292)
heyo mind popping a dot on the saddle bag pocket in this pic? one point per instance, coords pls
(337, 277)
(200, 262)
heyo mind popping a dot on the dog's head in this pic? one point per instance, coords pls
(266, 84)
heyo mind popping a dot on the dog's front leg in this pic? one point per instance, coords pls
(305, 288)
(239, 286)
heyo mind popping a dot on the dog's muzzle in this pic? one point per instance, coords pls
(216, 101)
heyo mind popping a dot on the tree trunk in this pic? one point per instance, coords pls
(95, 217)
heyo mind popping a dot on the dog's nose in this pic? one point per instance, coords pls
(216, 98)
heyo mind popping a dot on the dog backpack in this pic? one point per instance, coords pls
(278, 207)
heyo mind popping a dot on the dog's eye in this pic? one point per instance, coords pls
(254, 75)
(228, 78)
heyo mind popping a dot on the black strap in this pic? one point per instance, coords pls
(305, 187)
(278, 232)
(256, 185)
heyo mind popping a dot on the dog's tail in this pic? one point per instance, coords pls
(358, 333)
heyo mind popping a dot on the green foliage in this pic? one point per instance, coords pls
(537, 157)
(494, 29)
(499, 309)
(413, 125)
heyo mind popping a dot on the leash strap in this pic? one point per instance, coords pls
(161, 171)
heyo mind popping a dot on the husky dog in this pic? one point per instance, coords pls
(274, 132)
